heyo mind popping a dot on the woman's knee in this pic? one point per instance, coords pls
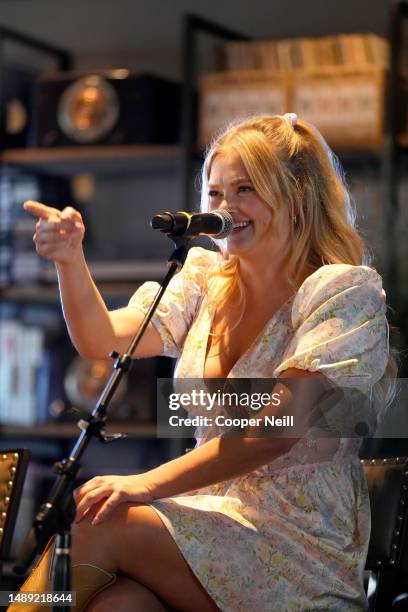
(114, 521)
(101, 543)
(126, 522)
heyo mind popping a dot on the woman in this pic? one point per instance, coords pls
(239, 523)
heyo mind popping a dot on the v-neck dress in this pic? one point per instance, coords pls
(293, 534)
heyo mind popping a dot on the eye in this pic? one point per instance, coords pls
(212, 193)
(245, 188)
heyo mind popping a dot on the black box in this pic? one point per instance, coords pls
(105, 108)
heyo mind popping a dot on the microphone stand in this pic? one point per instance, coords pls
(58, 512)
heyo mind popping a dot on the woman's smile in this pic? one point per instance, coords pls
(255, 224)
(240, 227)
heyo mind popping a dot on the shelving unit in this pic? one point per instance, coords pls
(115, 279)
(120, 160)
(107, 160)
(67, 431)
(49, 293)
(387, 158)
(396, 148)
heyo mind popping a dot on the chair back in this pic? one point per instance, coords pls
(387, 480)
(387, 558)
(13, 468)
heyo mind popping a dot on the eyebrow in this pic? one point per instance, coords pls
(234, 181)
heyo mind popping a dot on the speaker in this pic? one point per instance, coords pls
(68, 386)
(16, 85)
(111, 108)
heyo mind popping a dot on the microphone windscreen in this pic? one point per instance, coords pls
(227, 225)
(164, 221)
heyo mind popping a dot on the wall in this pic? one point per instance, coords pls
(146, 34)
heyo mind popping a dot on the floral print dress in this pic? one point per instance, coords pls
(293, 534)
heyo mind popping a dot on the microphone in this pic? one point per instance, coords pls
(217, 224)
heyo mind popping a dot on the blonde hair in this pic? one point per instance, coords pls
(292, 165)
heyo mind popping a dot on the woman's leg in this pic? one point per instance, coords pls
(126, 595)
(132, 540)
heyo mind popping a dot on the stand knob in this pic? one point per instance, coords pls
(111, 437)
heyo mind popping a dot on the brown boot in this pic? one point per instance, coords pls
(87, 580)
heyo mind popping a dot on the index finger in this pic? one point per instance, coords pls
(41, 210)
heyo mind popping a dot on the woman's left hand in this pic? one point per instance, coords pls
(115, 490)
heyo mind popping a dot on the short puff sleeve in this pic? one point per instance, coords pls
(177, 309)
(340, 326)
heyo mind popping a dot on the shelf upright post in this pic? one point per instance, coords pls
(2, 93)
(192, 27)
(63, 57)
(391, 170)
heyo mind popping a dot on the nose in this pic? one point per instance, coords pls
(226, 204)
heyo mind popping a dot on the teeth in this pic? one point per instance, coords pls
(241, 224)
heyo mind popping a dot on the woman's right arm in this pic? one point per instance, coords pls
(94, 330)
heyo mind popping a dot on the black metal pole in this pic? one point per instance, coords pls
(391, 162)
(188, 104)
(192, 27)
(64, 57)
(2, 95)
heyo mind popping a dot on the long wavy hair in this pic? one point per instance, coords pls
(292, 166)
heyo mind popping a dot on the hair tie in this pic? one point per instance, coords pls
(290, 118)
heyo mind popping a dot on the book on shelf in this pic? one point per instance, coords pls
(6, 229)
(19, 262)
(8, 352)
(308, 53)
(21, 349)
(301, 53)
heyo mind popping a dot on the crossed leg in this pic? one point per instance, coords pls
(133, 541)
(126, 595)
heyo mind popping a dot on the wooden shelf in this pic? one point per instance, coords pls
(70, 430)
(49, 293)
(125, 159)
(107, 160)
(119, 271)
(125, 277)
